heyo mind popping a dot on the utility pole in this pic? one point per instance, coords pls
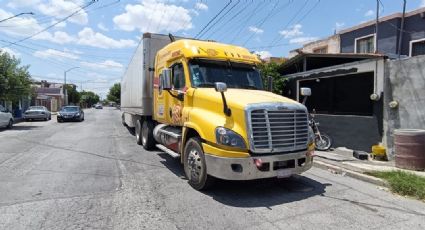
(14, 16)
(376, 26)
(400, 37)
(65, 93)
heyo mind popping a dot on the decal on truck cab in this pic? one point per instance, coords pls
(160, 112)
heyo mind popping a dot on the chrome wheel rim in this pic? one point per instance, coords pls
(194, 165)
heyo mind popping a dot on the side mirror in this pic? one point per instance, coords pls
(220, 87)
(305, 92)
(165, 79)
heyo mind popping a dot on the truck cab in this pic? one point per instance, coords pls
(209, 109)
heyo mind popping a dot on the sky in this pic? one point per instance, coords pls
(101, 38)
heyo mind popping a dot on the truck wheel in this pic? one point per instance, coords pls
(138, 132)
(195, 166)
(148, 142)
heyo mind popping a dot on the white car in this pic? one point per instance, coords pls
(6, 118)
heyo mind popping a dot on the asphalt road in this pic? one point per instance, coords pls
(93, 175)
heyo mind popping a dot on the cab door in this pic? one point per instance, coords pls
(176, 94)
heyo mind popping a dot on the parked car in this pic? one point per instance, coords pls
(70, 113)
(37, 113)
(6, 118)
(99, 106)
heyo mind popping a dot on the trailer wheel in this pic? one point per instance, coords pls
(138, 132)
(148, 141)
(195, 166)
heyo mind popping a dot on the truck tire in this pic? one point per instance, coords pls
(148, 141)
(123, 120)
(195, 166)
(138, 131)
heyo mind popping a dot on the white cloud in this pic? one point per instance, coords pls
(255, 30)
(59, 25)
(339, 26)
(107, 65)
(90, 38)
(61, 8)
(293, 31)
(11, 52)
(57, 37)
(302, 40)
(22, 3)
(102, 27)
(263, 54)
(154, 16)
(201, 6)
(19, 26)
(50, 53)
(369, 13)
(422, 3)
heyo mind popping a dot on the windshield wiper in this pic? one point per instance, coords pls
(206, 84)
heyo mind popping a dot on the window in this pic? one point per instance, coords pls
(365, 44)
(321, 50)
(417, 47)
(178, 76)
(204, 73)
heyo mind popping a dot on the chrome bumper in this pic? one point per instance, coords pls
(245, 169)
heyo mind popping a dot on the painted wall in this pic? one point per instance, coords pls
(404, 83)
(387, 37)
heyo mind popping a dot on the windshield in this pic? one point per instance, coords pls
(36, 108)
(204, 73)
(70, 109)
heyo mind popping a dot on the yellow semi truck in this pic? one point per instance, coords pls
(203, 102)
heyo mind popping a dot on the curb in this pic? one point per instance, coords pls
(350, 173)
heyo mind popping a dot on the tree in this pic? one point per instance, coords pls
(15, 80)
(271, 69)
(88, 98)
(115, 93)
(73, 95)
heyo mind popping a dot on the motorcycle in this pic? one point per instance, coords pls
(322, 141)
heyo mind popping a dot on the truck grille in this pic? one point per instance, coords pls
(278, 130)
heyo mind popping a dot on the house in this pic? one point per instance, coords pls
(49, 94)
(354, 90)
(362, 38)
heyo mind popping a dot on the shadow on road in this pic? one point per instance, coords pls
(255, 193)
(20, 128)
(265, 192)
(172, 164)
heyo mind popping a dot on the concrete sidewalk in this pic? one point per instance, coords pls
(341, 161)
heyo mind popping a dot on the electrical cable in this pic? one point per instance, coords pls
(213, 18)
(52, 25)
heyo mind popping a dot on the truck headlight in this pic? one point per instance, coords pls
(228, 137)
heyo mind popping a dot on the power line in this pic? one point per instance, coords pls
(54, 24)
(301, 19)
(262, 22)
(14, 16)
(213, 18)
(218, 20)
(276, 38)
(257, 9)
(231, 19)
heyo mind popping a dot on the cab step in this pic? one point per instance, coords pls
(168, 151)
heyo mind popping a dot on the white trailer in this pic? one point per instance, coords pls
(137, 82)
